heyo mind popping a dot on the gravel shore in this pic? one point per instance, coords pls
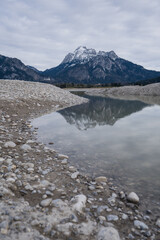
(149, 93)
(41, 195)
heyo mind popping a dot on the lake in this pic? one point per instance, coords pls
(119, 139)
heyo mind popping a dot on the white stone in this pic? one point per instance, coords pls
(45, 183)
(9, 161)
(112, 201)
(46, 202)
(9, 144)
(80, 202)
(10, 180)
(1, 160)
(124, 216)
(30, 141)
(25, 147)
(30, 170)
(35, 222)
(62, 156)
(74, 175)
(91, 187)
(101, 179)
(65, 228)
(102, 208)
(158, 222)
(7, 192)
(140, 225)
(114, 195)
(132, 197)
(108, 233)
(29, 165)
(102, 218)
(86, 228)
(64, 161)
(113, 218)
(59, 203)
(29, 187)
(72, 169)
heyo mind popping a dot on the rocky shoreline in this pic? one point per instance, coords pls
(129, 91)
(41, 195)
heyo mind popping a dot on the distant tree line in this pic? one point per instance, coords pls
(81, 85)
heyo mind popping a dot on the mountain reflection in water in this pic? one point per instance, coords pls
(100, 111)
(120, 141)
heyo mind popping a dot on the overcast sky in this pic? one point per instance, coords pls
(42, 32)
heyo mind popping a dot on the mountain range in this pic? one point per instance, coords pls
(13, 68)
(83, 66)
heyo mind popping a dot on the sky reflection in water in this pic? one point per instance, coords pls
(116, 138)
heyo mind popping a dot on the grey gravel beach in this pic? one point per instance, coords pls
(42, 196)
(148, 90)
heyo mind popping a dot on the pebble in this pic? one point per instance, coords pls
(58, 203)
(100, 209)
(113, 218)
(52, 188)
(122, 195)
(29, 165)
(44, 183)
(62, 156)
(158, 222)
(74, 175)
(48, 193)
(1, 160)
(72, 169)
(64, 162)
(91, 187)
(23, 192)
(46, 202)
(130, 236)
(140, 225)
(80, 202)
(132, 197)
(112, 201)
(25, 147)
(48, 228)
(102, 219)
(28, 187)
(35, 222)
(10, 180)
(108, 233)
(101, 179)
(30, 141)
(124, 216)
(4, 227)
(9, 144)
(30, 170)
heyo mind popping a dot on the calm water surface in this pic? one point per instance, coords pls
(116, 138)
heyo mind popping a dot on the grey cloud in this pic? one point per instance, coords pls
(42, 32)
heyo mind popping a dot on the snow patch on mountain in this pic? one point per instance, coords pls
(83, 54)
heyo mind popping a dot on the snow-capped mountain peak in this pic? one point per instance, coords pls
(81, 54)
(84, 54)
(88, 66)
(110, 54)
